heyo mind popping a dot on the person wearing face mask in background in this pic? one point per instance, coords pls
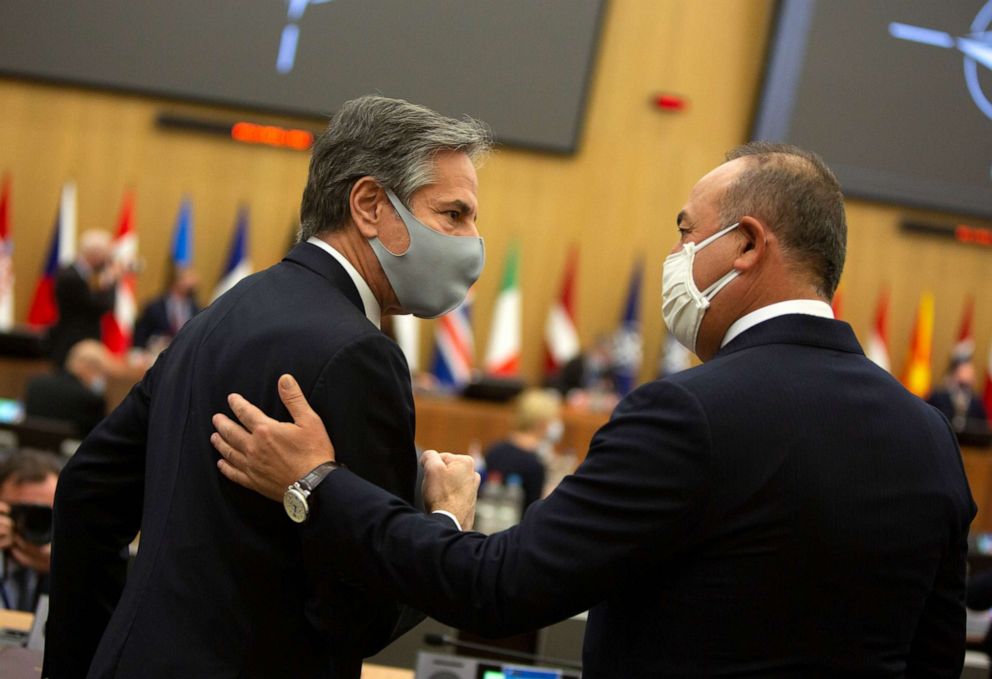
(785, 509)
(221, 585)
(537, 428)
(74, 394)
(957, 400)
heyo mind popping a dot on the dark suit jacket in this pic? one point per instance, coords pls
(220, 586)
(785, 510)
(62, 396)
(80, 309)
(154, 321)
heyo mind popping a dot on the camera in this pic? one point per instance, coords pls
(32, 522)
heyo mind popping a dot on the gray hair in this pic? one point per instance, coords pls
(800, 198)
(390, 140)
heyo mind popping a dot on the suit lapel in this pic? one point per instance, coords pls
(321, 263)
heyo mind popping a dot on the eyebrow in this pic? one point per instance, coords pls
(461, 205)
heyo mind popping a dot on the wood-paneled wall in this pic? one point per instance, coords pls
(616, 198)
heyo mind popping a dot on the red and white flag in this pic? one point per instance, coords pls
(878, 338)
(6, 260)
(118, 325)
(561, 337)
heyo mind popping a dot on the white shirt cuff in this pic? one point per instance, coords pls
(450, 516)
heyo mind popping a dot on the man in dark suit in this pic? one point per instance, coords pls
(74, 394)
(221, 585)
(786, 509)
(164, 316)
(84, 291)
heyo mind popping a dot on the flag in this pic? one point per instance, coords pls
(878, 337)
(561, 337)
(182, 235)
(454, 346)
(503, 350)
(44, 310)
(406, 328)
(627, 343)
(837, 303)
(238, 266)
(6, 260)
(917, 375)
(117, 326)
(964, 348)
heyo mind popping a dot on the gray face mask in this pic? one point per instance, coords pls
(434, 274)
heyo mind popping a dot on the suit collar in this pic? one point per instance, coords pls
(813, 331)
(323, 264)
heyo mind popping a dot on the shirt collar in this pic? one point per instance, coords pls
(372, 309)
(808, 307)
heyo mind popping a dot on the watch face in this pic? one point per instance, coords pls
(295, 504)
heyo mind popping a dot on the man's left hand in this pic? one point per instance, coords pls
(266, 455)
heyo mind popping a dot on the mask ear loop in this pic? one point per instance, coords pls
(706, 241)
(710, 292)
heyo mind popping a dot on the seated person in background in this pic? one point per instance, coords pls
(537, 427)
(956, 398)
(27, 481)
(164, 316)
(84, 291)
(75, 393)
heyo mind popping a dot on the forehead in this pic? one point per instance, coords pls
(41, 492)
(454, 174)
(704, 198)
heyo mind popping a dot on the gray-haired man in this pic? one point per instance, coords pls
(222, 585)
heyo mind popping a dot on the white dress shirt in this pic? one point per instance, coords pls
(808, 307)
(372, 309)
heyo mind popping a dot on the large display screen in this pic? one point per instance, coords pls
(522, 66)
(896, 95)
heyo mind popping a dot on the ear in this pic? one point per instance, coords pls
(367, 202)
(753, 245)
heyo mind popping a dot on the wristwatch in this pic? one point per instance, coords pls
(294, 500)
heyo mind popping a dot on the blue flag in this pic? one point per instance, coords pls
(182, 235)
(627, 350)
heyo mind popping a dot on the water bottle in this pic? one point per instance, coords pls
(487, 506)
(511, 503)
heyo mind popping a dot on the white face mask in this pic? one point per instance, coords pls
(554, 432)
(682, 303)
(98, 385)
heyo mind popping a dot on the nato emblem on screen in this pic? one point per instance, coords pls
(286, 58)
(976, 46)
(896, 95)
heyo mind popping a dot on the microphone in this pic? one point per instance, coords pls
(445, 640)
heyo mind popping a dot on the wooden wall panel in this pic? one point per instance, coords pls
(616, 197)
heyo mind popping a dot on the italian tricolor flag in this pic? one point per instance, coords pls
(503, 351)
